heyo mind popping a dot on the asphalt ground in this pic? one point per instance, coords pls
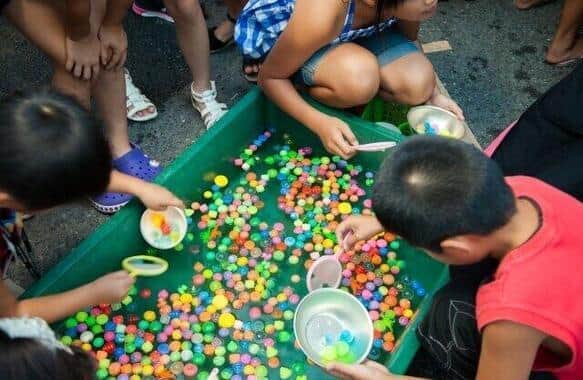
(494, 70)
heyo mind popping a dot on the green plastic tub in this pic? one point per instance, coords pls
(377, 110)
(189, 176)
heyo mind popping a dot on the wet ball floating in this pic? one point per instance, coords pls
(235, 312)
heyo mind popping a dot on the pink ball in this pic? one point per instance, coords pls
(255, 313)
(124, 359)
(374, 315)
(366, 294)
(163, 293)
(109, 336)
(245, 358)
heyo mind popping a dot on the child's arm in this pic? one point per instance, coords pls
(508, 351)
(361, 227)
(313, 25)
(108, 289)
(114, 43)
(82, 44)
(152, 196)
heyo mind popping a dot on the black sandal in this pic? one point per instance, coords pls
(251, 78)
(216, 45)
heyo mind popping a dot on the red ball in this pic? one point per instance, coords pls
(109, 347)
(117, 319)
(145, 293)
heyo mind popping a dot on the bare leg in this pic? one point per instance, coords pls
(26, 16)
(408, 80)
(109, 92)
(193, 39)
(346, 76)
(567, 44)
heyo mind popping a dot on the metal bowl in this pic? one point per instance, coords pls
(442, 122)
(324, 314)
(174, 216)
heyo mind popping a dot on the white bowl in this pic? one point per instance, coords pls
(444, 122)
(153, 236)
(324, 314)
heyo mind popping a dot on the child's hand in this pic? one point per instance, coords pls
(442, 101)
(114, 46)
(338, 138)
(361, 227)
(367, 371)
(112, 287)
(83, 57)
(157, 198)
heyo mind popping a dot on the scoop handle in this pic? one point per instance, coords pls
(375, 147)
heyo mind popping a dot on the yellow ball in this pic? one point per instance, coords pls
(345, 208)
(147, 370)
(226, 320)
(220, 301)
(186, 298)
(149, 315)
(408, 313)
(221, 181)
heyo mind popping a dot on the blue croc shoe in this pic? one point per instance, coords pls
(135, 163)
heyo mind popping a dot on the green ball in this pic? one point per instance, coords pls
(202, 375)
(129, 348)
(97, 329)
(66, 340)
(102, 373)
(98, 342)
(232, 346)
(208, 327)
(143, 325)
(81, 316)
(198, 358)
(299, 368)
(90, 321)
(175, 356)
(155, 326)
(219, 361)
(283, 336)
(102, 319)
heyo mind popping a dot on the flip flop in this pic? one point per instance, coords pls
(566, 62)
(156, 13)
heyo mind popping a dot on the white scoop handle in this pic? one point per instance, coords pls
(375, 147)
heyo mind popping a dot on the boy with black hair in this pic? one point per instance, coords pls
(52, 151)
(451, 200)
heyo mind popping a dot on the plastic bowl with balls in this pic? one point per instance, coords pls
(431, 120)
(331, 325)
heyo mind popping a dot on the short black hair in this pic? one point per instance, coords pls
(24, 358)
(52, 151)
(434, 188)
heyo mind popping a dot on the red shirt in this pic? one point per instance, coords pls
(540, 283)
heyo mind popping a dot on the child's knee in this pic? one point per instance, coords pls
(360, 82)
(420, 87)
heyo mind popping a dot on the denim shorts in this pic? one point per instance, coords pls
(388, 46)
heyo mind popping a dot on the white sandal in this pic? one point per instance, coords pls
(206, 104)
(137, 102)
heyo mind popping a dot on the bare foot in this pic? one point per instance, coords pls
(252, 70)
(225, 30)
(562, 52)
(524, 5)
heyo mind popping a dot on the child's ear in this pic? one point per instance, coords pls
(458, 246)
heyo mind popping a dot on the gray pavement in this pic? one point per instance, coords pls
(494, 71)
